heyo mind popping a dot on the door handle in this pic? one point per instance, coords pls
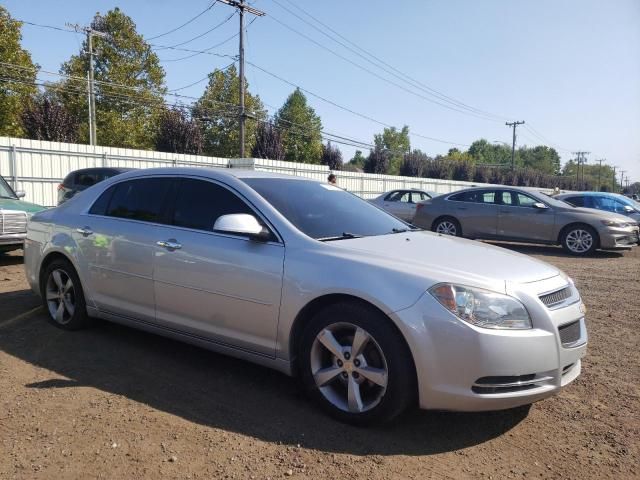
(84, 231)
(169, 244)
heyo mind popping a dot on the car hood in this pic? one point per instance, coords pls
(601, 214)
(20, 205)
(445, 258)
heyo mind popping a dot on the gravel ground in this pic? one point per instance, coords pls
(112, 402)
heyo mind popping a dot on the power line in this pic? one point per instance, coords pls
(185, 23)
(215, 27)
(379, 63)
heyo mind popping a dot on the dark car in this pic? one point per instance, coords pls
(80, 180)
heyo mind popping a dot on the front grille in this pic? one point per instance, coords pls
(569, 333)
(507, 384)
(554, 298)
(13, 222)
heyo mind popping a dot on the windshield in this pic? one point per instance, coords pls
(5, 189)
(323, 211)
(549, 200)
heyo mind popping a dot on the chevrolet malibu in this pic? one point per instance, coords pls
(373, 315)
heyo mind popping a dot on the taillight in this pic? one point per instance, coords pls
(419, 206)
(60, 187)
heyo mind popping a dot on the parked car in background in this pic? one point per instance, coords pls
(14, 215)
(516, 214)
(80, 180)
(306, 278)
(402, 203)
(610, 202)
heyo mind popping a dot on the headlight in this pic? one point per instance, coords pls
(613, 223)
(482, 308)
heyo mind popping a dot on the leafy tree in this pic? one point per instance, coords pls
(414, 164)
(128, 113)
(47, 119)
(218, 105)
(268, 143)
(397, 143)
(357, 161)
(541, 158)
(483, 152)
(331, 156)
(178, 134)
(14, 94)
(302, 129)
(378, 161)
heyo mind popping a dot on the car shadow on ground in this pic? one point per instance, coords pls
(222, 392)
(10, 258)
(552, 250)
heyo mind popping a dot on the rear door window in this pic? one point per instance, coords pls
(576, 201)
(141, 199)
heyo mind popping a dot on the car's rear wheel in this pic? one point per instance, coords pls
(356, 365)
(447, 226)
(579, 240)
(62, 296)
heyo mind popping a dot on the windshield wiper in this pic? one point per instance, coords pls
(344, 236)
(403, 230)
(7, 197)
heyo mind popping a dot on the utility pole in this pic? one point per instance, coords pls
(599, 171)
(622, 172)
(90, 32)
(613, 181)
(242, 7)
(580, 158)
(513, 144)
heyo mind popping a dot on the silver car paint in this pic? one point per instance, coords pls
(402, 210)
(392, 272)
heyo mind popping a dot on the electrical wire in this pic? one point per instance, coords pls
(201, 35)
(185, 23)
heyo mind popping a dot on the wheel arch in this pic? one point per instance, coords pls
(51, 257)
(316, 305)
(442, 217)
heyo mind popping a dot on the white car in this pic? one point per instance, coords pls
(308, 279)
(402, 203)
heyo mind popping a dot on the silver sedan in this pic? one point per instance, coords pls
(402, 203)
(308, 279)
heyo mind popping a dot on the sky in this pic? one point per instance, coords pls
(570, 69)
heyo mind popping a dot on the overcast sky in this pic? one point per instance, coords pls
(570, 68)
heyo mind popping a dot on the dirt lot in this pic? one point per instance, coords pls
(111, 402)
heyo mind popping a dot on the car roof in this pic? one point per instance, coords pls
(212, 172)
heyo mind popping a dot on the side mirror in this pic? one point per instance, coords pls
(629, 209)
(540, 206)
(242, 224)
(20, 193)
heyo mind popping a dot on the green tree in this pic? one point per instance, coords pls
(128, 113)
(483, 152)
(357, 162)
(218, 108)
(541, 158)
(18, 86)
(397, 143)
(301, 129)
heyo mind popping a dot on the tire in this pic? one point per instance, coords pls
(579, 240)
(62, 296)
(447, 226)
(372, 387)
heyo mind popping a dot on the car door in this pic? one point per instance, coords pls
(477, 212)
(519, 219)
(116, 241)
(399, 204)
(223, 287)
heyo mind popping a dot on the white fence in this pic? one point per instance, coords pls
(38, 167)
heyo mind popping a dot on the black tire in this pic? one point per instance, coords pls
(390, 401)
(447, 224)
(579, 240)
(78, 318)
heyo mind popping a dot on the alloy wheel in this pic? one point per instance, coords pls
(579, 241)
(60, 296)
(349, 367)
(446, 227)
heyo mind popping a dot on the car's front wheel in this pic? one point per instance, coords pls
(62, 296)
(579, 240)
(355, 364)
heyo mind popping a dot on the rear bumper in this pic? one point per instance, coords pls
(464, 368)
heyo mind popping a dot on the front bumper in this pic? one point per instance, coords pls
(466, 368)
(615, 238)
(11, 239)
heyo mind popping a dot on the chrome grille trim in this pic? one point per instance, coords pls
(555, 298)
(12, 221)
(508, 384)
